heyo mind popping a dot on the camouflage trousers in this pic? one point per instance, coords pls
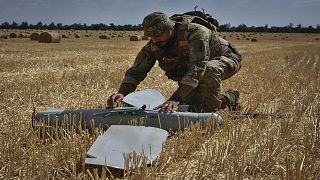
(205, 97)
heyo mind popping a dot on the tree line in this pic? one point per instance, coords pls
(128, 27)
(272, 29)
(75, 26)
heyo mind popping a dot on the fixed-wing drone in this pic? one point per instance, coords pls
(122, 138)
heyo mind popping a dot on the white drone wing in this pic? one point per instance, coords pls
(149, 97)
(119, 140)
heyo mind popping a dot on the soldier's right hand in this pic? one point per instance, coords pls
(114, 100)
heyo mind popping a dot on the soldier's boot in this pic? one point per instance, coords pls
(230, 99)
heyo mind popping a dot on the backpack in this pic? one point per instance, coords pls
(197, 17)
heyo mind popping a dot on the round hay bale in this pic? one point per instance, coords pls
(254, 40)
(103, 36)
(145, 38)
(34, 36)
(65, 36)
(13, 35)
(76, 35)
(49, 37)
(135, 38)
(4, 36)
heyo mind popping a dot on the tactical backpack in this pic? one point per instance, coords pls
(197, 17)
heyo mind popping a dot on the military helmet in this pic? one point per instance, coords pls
(156, 23)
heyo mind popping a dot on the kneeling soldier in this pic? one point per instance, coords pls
(191, 54)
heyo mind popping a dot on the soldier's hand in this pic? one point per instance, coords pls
(114, 100)
(168, 106)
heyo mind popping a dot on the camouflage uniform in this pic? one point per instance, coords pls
(194, 56)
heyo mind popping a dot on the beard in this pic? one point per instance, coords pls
(160, 43)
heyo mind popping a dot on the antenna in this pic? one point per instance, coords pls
(33, 113)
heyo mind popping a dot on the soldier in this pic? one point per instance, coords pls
(191, 54)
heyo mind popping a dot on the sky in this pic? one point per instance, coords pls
(120, 12)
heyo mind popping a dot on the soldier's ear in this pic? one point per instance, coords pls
(170, 33)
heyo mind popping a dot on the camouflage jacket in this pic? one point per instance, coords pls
(183, 59)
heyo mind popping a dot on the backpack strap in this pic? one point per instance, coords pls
(182, 35)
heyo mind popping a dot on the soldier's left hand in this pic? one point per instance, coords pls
(168, 106)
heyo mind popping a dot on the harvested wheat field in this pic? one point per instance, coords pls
(279, 76)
